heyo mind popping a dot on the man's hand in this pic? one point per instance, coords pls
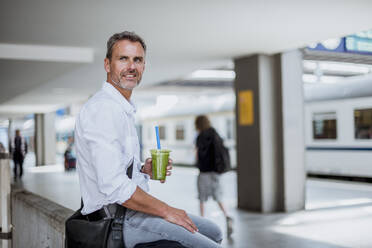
(143, 202)
(179, 217)
(147, 168)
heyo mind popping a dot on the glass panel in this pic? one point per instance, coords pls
(363, 123)
(324, 125)
(180, 132)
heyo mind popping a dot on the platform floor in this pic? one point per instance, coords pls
(337, 214)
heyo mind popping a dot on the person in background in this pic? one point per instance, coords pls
(208, 182)
(70, 155)
(19, 150)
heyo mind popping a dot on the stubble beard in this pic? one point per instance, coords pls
(124, 85)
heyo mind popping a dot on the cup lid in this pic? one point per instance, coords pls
(162, 151)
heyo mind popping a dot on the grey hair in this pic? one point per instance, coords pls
(126, 35)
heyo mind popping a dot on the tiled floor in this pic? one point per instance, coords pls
(337, 215)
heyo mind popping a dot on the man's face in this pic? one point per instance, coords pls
(127, 64)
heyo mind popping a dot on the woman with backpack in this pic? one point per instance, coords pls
(212, 159)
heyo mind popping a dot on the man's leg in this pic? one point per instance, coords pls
(222, 207)
(201, 208)
(15, 168)
(141, 228)
(207, 228)
(21, 167)
(229, 220)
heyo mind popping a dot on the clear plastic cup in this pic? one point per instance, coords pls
(160, 160)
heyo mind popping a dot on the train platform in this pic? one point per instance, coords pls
(338, 214)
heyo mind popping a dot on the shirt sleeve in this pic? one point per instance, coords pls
(104, 131)
(141, 179)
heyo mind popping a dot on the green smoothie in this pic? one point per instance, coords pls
(159, 163)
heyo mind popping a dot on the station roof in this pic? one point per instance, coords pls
(51, 52)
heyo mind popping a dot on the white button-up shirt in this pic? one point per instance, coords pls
(106, 145)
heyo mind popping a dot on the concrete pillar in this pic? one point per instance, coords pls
(45, 139)
(270, 132)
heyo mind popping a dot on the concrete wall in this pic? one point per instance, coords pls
(37, 222)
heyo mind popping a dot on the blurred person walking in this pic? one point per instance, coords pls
(210, 156)
(19, 150)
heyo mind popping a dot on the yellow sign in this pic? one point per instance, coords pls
(246, 108)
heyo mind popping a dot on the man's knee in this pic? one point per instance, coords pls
(214, 231)
(218, 234)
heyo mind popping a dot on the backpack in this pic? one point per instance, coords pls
(222, 156)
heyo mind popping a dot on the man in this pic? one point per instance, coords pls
(107, 145)
(19, 152)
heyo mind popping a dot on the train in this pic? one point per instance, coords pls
(338, 128)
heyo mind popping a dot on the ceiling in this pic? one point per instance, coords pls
(47, 71)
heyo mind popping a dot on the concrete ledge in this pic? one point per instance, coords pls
(37, 222)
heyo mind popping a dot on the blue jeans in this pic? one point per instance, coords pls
(142, 228)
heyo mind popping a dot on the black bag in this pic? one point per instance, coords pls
(105, 232)
(222, 156)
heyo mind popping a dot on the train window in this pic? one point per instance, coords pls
(363, 123)
(162, 132)
(180, 132)
(325, 125)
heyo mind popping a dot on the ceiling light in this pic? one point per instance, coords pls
(212, 74)
(345, 67)
(310, 78)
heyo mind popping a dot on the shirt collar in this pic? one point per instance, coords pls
(128, 106)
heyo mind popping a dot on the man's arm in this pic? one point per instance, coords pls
(143, 202)
(103, 134)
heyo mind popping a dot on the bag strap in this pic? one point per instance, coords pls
(130, 170)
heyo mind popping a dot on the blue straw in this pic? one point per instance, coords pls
(157, 137)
